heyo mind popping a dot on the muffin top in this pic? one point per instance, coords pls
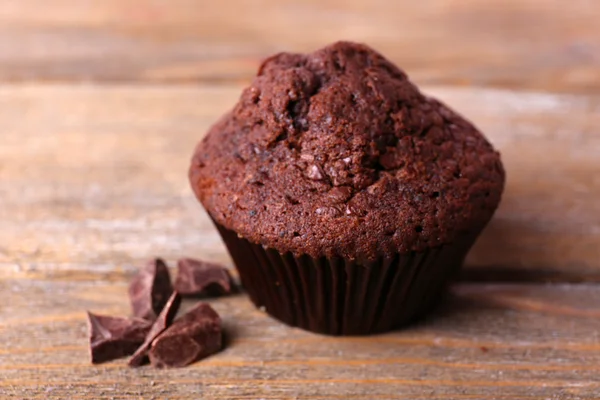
(336, 153)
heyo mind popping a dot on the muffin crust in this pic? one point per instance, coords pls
(337, 154)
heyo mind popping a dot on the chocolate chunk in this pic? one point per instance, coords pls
(164, 320)
(339, 194)
(314, 173)
(192, 337)
(113, 337)
(150, 290)
(197, 277)
(334, 211)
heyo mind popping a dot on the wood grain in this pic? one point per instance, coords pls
(93, 179)
(518, 341)
(102, 101)
(542, 45)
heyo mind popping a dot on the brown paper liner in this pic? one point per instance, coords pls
(341, 297)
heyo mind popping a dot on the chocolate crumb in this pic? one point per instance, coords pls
(164, 320)
(196, 277)
(114, 337)
(192, 337)
(150, 290)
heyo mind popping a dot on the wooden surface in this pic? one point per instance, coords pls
(101, 103)
(538, 44)
(488, 341)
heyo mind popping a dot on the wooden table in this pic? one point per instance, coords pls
(102, 101)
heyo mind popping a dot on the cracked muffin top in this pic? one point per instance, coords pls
(336, 153)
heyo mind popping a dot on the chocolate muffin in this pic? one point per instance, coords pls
(346, 197)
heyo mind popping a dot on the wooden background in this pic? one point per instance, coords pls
(102, 101)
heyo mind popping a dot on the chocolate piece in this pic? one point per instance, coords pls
(196, 277)
(164, 320)
(113, 337)
(150, 290)
(192, 337)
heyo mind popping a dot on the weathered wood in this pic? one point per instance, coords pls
(549, 45)
(486, 342)
(93, 179)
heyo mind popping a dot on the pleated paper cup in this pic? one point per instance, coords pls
(335, 296)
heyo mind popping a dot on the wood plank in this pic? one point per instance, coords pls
(507, 43)
(511, 341)
(93, 179)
